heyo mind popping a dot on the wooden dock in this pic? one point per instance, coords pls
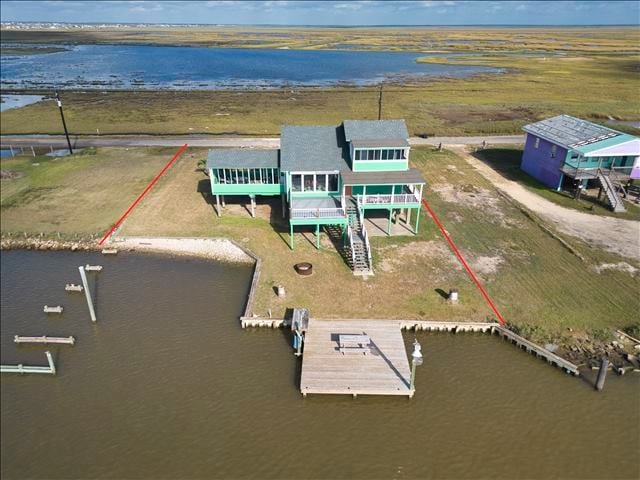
(44, 339)
(383, 370)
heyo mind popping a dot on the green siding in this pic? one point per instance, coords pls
(246, 189)
(318, 221)
(380, 165)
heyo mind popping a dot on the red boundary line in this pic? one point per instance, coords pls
(464, 263)
(137, 200)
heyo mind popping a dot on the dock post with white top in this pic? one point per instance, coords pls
(87, 294)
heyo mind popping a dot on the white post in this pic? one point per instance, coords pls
(87, 293)
(52, 365)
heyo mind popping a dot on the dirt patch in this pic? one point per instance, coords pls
(10, 174)
(622, 266)
(441, 259)
(486, 265)
(454, 169)
(470, 196)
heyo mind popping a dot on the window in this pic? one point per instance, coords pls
(296, 183)
(333, 182)
(553, 151)
(321, 183)
(357, 154)
(376, 154)
(537, 144)
(308, 183)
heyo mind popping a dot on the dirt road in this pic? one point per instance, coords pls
(611, 234)
(59, 141)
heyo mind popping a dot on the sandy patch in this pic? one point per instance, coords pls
(213, 248)
(470, 196)
(487, 265)
(453, 168)
(622, 266)
(440, 258)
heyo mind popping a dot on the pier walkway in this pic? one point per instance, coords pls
(380, 368)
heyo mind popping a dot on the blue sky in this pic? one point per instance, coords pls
(327, 12)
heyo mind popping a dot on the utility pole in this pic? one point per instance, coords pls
(64, 124)
(380, 103)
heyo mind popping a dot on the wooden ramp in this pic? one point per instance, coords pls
(384, 370)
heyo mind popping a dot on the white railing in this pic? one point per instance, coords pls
(366, 244)
(350, 235)
(365, 235)
(317, 213)
(383, 199)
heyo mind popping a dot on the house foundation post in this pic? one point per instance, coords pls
(253, 205)
(291, 236)
(224, 205)
(417, 220)
(218, 211)
(389, 225)
(408, 216)
(318, 236)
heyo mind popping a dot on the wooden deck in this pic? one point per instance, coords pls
(383, 371)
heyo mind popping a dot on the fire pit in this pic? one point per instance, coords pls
(303, 268)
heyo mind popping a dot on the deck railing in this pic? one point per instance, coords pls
(317, 213)
(386, 199)
(592, 172)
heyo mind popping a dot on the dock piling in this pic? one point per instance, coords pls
(602, 374)
(87, 294)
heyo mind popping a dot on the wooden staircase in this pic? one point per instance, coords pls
(612, 195)
(359, 247)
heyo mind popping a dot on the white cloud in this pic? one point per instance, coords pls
(348, 6)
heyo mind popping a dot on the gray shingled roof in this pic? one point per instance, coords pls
(359, 130)
(315, 148)
(242, 158)
(569, 132)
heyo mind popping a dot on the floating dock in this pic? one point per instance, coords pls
(44, 339)
(382, 370)
(72, 287)
(93, 268)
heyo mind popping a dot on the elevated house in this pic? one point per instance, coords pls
(565, 148)
(333, 176)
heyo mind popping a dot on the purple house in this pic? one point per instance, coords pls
(567, 149)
